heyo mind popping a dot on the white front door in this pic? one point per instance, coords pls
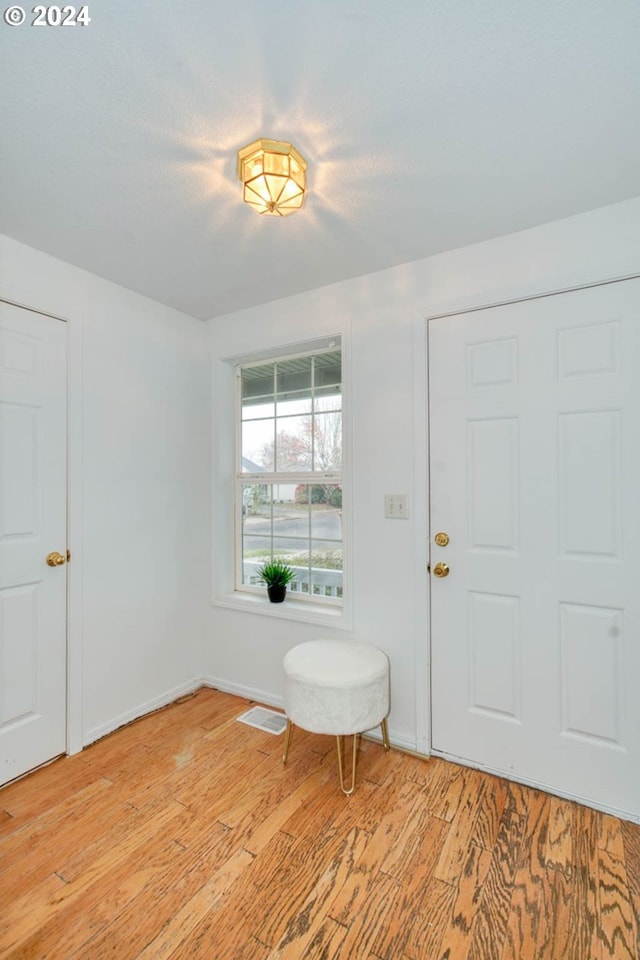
(33, 523)
(535, 477)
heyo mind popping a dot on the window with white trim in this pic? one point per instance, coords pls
(289, 471)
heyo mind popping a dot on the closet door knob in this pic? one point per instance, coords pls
(55, 559)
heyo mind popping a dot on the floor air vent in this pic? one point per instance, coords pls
(268, 720)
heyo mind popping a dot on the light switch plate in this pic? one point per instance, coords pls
(395, 506)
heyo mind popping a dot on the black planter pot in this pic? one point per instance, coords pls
(277, 592)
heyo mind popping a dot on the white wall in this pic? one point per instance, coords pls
(245, 650)
(139, 488)
(143, 627)
(381, 317)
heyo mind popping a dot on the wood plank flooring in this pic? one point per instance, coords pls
(183, 836)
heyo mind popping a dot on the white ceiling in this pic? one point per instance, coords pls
(427, 125)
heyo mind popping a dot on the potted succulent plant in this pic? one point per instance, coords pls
(276, 575)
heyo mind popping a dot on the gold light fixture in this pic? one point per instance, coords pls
(274, 177)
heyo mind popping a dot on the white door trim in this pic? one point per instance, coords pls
(74, 523)
(421, 585)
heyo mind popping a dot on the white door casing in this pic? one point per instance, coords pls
(33, 523)
(535, 476)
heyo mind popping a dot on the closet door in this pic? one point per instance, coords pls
(33, 525)
(535, 479)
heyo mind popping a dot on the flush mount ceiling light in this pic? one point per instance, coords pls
(274, 177)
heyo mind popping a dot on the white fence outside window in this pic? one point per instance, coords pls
(317, 582)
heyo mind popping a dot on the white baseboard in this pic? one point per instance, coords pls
(400, 743)
(271, 700)
(141, 710)
(239, 690)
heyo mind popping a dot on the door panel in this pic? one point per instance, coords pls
(33, 503)
(535, 476)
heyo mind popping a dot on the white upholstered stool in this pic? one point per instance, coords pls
(336, 687)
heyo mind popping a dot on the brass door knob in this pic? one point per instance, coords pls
(441, 570)
(55, 559)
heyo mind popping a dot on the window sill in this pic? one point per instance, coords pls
(290, 609)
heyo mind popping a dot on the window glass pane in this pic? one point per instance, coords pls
(291, 421)
(293, 405)
(258, 382)
(326, 513)
(328, 369)
(256, 528)
(326, 569)
(258, 411)
(291, 525)
(293, 445)
(294, 375)
(313, 493)
(256, 502)
(278, 521)
(326, 554)
(251, 563)
(327, 441)
(327, 402)
(257, 445)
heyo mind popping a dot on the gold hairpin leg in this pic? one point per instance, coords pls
(353, 764)
(287, 740)
(385, 734)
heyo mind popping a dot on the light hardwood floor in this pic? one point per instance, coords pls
(182, 836)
